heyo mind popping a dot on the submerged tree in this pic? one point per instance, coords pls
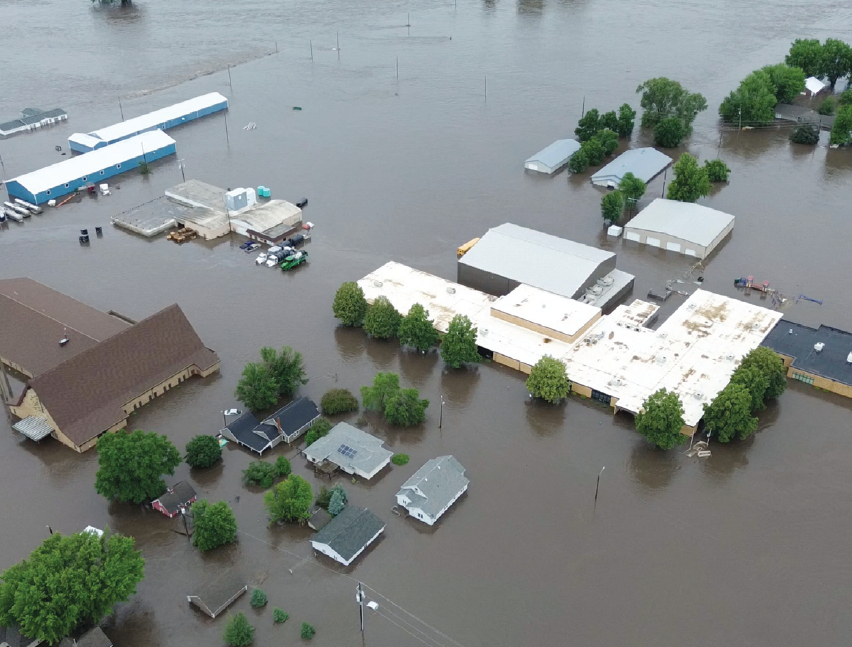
(663, 98)
(131, 465)
(805, 134)
(729, 415)
(287, 368)
(384, 385)
(767, 362)
(382, 320)
(405, 408)
(807, 55)
(661, 419)
(416, 329)
(588, 126)
(548, 380)
(203, 451)
(632, 188)
(669, 132)
(717, 170)
(215, 525)
(349, 305)
(257, 388)
(787, 80)
(753, 102)
(690, 181)
(612, 206)
(459, 344)
(626, 119)
(290, 500)
(238, 631)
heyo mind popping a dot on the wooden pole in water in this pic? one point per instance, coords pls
(312, 50)
(227, 137)
(597, 487)
(665, 175)
(229, 78)
(397, 68)
(441, 419)
(121, 108)
(583, 111)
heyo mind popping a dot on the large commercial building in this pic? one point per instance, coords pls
(682, 227)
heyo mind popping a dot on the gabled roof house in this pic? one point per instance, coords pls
(285, 425)
(181, 495)
(348, 534)
(352, 450)
(433, 488)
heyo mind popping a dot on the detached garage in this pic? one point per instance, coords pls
(681, 227)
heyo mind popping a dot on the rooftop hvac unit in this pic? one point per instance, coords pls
(699, 395)
(661, 359)
(849, 358)
(451, 290)
(378, 284)
(819, 346)
(605, 281)
(596, 290)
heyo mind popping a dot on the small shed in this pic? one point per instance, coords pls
(348, 534)
(813, 86)
(181, 495)
(319, 519)
(682, 227)
(644, 163)
(218, 596)
(554, 157)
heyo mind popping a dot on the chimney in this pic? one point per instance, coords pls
(278, 424)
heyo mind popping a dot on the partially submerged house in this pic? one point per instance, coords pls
(319, 519)
(433, 488)
(683, 227)
(219, 595)
(180, 496)
(352, 450)
(285, 425)
(644, 163)
(92, 638)
(12, 637)
(95, 391)
(31, 119)
(554, 157)
(348, 534)
(820, 356)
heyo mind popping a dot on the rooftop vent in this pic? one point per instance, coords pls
(451, 290)
(699, 395)
(661, 359)
(378, 284)
(819, 346)
(730, 358)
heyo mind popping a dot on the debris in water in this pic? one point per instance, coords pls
(297, 107)
(250, 126)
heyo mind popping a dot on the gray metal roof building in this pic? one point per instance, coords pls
(509, 255)
(353, 450)
(644, 163)
(433, 488)
(348, 534)
(682, 227)
(554, 157)
(30, 119)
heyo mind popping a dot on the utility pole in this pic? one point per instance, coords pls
(597, 487)
(227, 137)
(665, 175)
(121, 108)
(583, 111)
(359, 596)
(312, 50)
(441, 419)
(230, 84)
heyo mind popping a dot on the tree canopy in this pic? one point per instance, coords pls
(459, 344)
(579, 161)
(612, 206)
(239, 631)
(260, 473)
(805, 134)
(729, 415)
(384, 385)
(215, 525)
(632, 188)
(416, 329)
(286, 368)
(318, 430)
(290, 500)
(806, 54)
(337, 501)
(751, 103)
(669, 132)
(841, 131)
(203, 451)
(257, 388)
(836, 60)
(69, 582)
(404, 408)
(626, 119)
(663, 98)
(548, 379)
(338, 401)
(131, 465)
(661, 419)
(717, 170)
(767, 362)
(349, 305)
(690, 180)
(588, 126)
(788, 81)
(382, 320)
(753, 379)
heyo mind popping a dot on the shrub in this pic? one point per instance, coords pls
(282, 467)
(717, 170)
(612, 206)
(828, 107)
(338, 500)
(338, 401)
(318, 430)
(260, 473)
(400, 459)
(382, 320)
(238, 631)
(405, 408)
(203, 451)
(805, 134)
(846, 97)
(349, 305)
(258, 599)
(307, 631)
(324, 497)
(279, 616)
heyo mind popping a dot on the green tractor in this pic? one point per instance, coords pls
(294, 261)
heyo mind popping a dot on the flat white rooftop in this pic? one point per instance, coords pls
(685, 220)
(546, 309)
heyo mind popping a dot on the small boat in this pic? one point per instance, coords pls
(26, 205)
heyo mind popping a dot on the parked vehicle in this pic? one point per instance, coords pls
(298, 239)
(246, 244)
(17, 209)
(252, 247)
(14, 215)
(2, 216)
(275, 249)
(302, 203)
(294, 261)
(261, 258)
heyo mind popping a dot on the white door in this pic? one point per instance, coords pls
(689, 252)
(653, 242)
(673, 247)
(631, 235)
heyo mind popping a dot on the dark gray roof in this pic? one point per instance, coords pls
(319, 519)
(92, 638)
(439, 481)
(797, 341)
(293, 417)
(12, 637)
(350, 531)
(181, 494)
(31, 116)
(220, 594)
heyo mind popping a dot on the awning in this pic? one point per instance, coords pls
(33, 427)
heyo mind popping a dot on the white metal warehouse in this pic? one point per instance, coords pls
(644, 163)
(554, 157)
(681, 227)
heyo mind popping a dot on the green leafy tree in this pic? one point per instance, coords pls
(753, 379)
(828, 106)
(588, 126)
(400, 459)
(805, 134)
(69, 582)
(324, 497)
(259, 473)
(382, 320)
(578, 162)
(258, 599)
(669, 132)
(632, 188)
(626, 121)
(841, 131)
(350, 306)
(663, 98)
(608, 141)
(459, 344)
(287, 368)
(203, 451)
(282, 467)
(384, 385)
(338, 401)
(846, 97)
(405, 408)
(417, 329)
(836, 60)
(661, 419)
(548, 379)
(609, 120)
(290, 500)
(318, 430)
(257, 388)
(729, 415)
(131, 465)
(751, 103)
(690, 180)
(807, 55)
(788, 81)
(279, 616)
(717, 170)
(307, 631)
(593, 150)
(215, 525)
(337, 501)
(612, 206)
(767, 362)
(238, 631)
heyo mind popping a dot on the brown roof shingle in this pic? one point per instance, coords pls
(85, 394)
(34, 317)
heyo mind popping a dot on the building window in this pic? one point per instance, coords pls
(807, 379)
(48, 192)
(67, 185)
(118, 166)
(85, 178)
(102, 172)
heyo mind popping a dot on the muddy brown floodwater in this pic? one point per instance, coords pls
(748, 547)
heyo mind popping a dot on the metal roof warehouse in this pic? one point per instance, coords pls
(66, 177)
(554, 157)
(644, 163)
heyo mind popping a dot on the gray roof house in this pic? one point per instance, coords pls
(433, 489)
(92, 638)
(348, 534)
(554, 157)
(352, 450)
(30, 119)
(644, 163)
(12, 637)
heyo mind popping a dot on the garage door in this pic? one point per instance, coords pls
(690, 252)
(631, 235)
(673, 247)
(653, 242)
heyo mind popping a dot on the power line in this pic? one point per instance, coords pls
(408, 632)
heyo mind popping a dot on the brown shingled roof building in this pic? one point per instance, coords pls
(95, 390)
(33, 320)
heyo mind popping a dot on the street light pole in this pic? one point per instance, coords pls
(360, 597)
(441, 418)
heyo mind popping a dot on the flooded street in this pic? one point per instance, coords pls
(748, 547)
